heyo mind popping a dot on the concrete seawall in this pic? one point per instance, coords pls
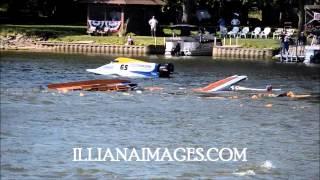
(134, 50)
(99, 48)
(239, 52)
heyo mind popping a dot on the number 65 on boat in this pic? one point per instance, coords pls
(134, 68)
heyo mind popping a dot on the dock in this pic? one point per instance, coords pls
(294, 54)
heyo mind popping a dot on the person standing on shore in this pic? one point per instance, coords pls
(235, 22)
(222, 27)
(153, 26)
(302, 39)
(286, 44)
(282, 37)
(301, 42)
(130, 41)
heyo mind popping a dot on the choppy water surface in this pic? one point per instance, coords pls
(39, 128)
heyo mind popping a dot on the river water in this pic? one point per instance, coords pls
(40, 128)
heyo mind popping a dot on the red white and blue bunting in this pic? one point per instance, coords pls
(110, 26)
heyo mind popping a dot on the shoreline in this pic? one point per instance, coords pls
(27, 44)
(20, 42)
(95, 48)
(241, 52)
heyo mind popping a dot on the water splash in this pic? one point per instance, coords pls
(245, 173)
(267, 165)
(262, 168)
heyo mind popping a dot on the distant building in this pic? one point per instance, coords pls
(117, 16)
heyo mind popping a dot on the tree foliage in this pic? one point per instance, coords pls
(41, 9)
(284, 10)
(180, 11)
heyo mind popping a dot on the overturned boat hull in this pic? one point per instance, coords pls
(222, 85)
(94, 85)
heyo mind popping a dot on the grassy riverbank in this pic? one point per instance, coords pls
(62, 33)
(41, 30)
(259, 43)
(110, 40)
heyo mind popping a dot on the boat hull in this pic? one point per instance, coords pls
(94, 85)
(127, 67)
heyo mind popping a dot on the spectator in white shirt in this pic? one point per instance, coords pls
(153, 25)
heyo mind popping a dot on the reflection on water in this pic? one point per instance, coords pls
(39, 128)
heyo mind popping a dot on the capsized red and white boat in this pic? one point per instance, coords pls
(230, 84)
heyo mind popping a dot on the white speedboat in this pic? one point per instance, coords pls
(134, 68)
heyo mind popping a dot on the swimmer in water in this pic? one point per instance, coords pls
(285, 94)
(269, 88)
(292, 95)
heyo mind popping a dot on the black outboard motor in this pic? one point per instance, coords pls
(165, 70)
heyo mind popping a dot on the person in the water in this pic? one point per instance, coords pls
(292, 95)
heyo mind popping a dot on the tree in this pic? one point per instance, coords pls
(185, 7)
(300, 14)
(44, 10)
(298, 7)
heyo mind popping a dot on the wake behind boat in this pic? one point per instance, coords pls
(128, 67)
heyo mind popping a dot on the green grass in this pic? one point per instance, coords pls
(62, 33)
(256, 43)
(61, 28)
(260, 43)
(169, 32)
(111, 40)
(57, 33)
(40, 30)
